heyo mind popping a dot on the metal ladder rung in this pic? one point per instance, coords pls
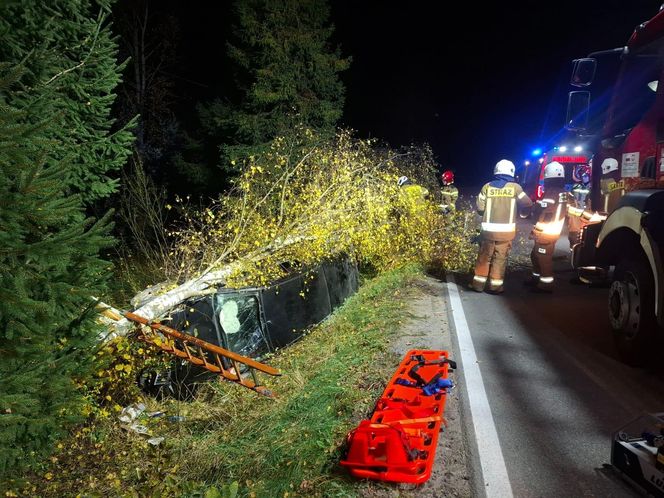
(167, 340)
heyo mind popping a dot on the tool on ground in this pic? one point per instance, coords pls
(227, 364)
(638, 452)
(398, 443)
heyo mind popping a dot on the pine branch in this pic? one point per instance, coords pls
(100, 20)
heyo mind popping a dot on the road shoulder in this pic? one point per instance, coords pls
(426, 326)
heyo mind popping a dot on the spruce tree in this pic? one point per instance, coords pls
(287, 73)
(70, 57)
(49, 268)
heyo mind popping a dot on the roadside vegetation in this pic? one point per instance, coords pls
(230, 438)
(308, 199)
(339, 197)
(266, 180)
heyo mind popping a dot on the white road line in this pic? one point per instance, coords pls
(494, 472)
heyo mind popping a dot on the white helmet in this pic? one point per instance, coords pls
(402, 181)
(504, 167)
(608, 165)
(554, 170)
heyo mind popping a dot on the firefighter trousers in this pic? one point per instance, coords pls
(542, 258)
(491, 264)
(574, 225)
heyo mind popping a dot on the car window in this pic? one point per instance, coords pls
(238, 316)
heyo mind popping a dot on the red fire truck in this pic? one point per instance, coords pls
(618, 108)
(572, 158)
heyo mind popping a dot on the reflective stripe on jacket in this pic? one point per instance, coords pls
(449, 194)
(498, 203)
(612, 191)
(552, 216)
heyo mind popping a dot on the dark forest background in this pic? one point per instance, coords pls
(111, 112)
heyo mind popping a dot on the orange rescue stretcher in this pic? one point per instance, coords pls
(398, 443)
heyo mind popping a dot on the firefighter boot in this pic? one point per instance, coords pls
(545, 285)
(495, 286)
(478, 283)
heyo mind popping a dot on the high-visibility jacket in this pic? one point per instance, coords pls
(449, 194)
(612, 190)
(498, 202)
(554, 209)
(581, 193)
(415, 193)
(577, 210)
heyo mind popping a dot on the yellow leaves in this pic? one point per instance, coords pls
(339, 196)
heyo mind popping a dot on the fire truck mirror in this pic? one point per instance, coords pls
(615, 141)
(583, 72)
(578, 104)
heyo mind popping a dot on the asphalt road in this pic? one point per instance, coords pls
(556, 388)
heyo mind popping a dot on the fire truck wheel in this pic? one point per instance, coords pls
(631, 310)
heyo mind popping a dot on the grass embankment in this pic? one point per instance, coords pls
(331, 380)
(289, 446)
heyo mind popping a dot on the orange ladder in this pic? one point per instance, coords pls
(199, 352)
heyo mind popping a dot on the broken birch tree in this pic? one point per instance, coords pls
(302, 202)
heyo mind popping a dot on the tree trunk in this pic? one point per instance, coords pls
(207, 283)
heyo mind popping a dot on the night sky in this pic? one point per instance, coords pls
(479, 84)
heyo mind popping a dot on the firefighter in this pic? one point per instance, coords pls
(576, 210)
(449, 191)
(498, 203)
(412, 189)
(547, 230)
(611, 186)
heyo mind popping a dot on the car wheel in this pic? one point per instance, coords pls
(178, 382)
(632, 311)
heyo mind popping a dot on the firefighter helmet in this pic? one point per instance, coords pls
(403, 181)
(504, 167)
(554, 170)
(608, 165)
(447, 177)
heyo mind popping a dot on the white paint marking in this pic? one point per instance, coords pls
(494, 471)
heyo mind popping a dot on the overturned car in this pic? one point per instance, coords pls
(253, 321)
